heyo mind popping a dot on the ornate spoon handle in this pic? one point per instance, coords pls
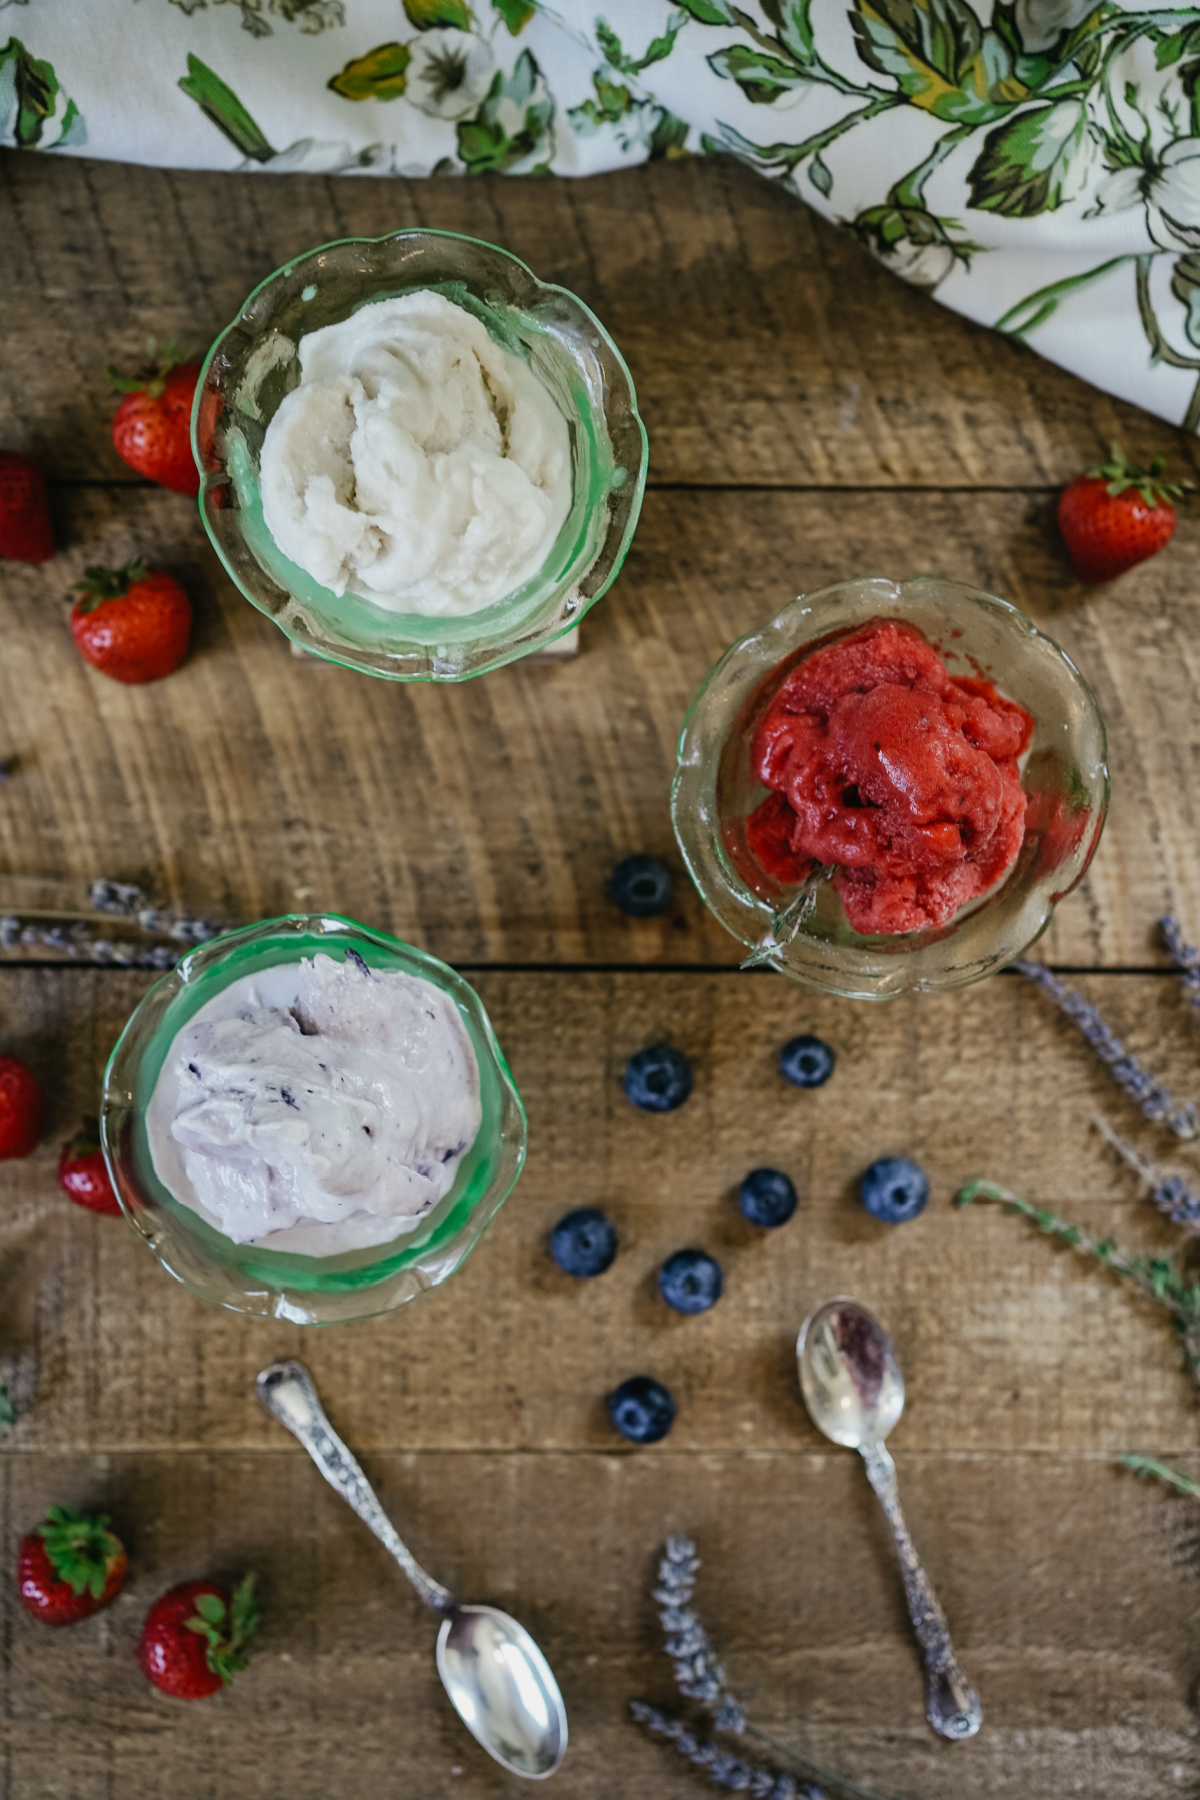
(286, 1390)
(951, 1703)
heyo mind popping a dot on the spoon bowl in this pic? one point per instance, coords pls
(849, 1374)
(502, 1689)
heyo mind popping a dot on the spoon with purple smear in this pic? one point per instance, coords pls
(854, 1391)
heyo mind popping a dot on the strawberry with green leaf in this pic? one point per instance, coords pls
(69, 1567)
(195, 1637)
(1117, 515)
(152, 427)
(83, 1174)
(131, 623)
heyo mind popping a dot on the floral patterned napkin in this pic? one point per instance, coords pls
(1036, 165)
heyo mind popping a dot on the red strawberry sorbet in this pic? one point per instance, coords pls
(898, 772)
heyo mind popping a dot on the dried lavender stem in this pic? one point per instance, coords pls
(720, 1767)
(1185, 957)
(1170, 1193)
(1154, 1100)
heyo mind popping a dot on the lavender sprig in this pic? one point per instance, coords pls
(699, 1675)
(129, 902)
(1147, 1093)
(1149, 1468)
(78, 940)
(1170, 1193)
(725, 1770)
(1183, 955)
(698, 1671)
(1155, 1276)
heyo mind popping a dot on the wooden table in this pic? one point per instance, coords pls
(809, 418)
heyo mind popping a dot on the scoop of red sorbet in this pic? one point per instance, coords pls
(903, 775)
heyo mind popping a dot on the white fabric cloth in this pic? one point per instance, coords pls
(1036, 165)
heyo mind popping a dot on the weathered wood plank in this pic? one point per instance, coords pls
(484, 821)
(1065, 1582)
(1010, 1343)
(766, 346)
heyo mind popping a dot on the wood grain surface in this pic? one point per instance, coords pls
(483, 821)
(479, 1410)
(766, 346)
(810, 418)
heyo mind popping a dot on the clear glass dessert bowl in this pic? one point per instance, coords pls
(253, 365)
(802, 929)
(305, 1290)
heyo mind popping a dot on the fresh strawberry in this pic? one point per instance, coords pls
(1117, 515)
(152, 428)
(82, 1174)
(25, 531)
(195, 1636)
(131, 623)
(20, 1108)
(70, 1566)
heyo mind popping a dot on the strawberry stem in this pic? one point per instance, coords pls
(151, 378)
(80, 1548)
(225, 1651)
(1121, 474)
(86, 1140)
(101, 584)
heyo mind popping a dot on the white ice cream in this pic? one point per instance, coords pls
(418, 463)
(318, 1107)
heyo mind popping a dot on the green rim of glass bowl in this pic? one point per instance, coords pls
(826, 953)
(350, 630)
(210, 1263)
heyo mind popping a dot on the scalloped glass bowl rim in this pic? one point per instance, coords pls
(367, 1272)
(741, 670)
(635, 481)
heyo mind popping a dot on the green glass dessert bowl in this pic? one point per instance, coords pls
(253, 366)
(800, 925)
(246, 1277)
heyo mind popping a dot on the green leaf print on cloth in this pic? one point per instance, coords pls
(1033, 163)
(35, 114)
(310, 15)
(513, 129)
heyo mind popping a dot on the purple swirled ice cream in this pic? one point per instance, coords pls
(316, 1107)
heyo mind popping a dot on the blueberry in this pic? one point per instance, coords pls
(584, 1242)
(806, 1062)
(658, 1079)
(894, 1189)
(767, 1197)
(642, 1409)
(641, 887)
(690, 1281)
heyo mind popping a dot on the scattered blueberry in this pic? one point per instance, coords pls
(584, 1242)
(767, 1197)
(690, 1281)
(642, 1409)
(641, 887)
(894, 1189)
(658, 1079)
(807, 1062)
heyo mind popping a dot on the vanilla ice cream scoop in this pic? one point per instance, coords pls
(419, 463)
(318, 1107)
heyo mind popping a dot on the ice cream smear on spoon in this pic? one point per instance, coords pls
(419, 463)
(317, 1106)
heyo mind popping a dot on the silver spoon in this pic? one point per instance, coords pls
(499, 1683)
(854, 1390)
